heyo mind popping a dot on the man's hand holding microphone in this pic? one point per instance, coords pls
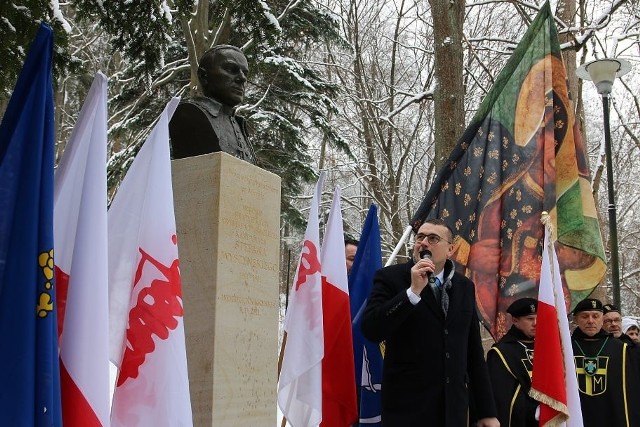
(421, 271)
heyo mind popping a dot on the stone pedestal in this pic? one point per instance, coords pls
(228, 221)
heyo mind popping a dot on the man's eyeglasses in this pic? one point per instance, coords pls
(433, 239)
(611, 321)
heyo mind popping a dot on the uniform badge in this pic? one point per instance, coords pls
(590, 366)
(528, 361)
(529, 353)
(592, 374)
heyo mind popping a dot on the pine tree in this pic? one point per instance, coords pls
(287, 100)
(18, 27)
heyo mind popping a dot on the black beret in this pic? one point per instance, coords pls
(523, 307)
(589, 304)
(607, 308)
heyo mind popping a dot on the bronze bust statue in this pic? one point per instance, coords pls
(206, 124)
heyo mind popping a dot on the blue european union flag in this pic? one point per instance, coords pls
(367, 354)
(29, 367)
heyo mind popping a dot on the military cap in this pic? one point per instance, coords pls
(589, 304)
(607, 308)
(523, 307)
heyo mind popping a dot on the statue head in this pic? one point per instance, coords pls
(222, 73)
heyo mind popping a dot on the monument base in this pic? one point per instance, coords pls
(228, 222)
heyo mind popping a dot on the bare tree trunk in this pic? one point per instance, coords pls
(570, 15)
(196, 30)
(566, 11)
(448, 18)
(61, 140)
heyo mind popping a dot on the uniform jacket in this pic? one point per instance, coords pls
(609, 396)
(432, 364)
(201, 125)
(510, 363)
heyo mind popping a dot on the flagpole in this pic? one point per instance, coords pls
(284, 335)
(403, 239)
(280, 357)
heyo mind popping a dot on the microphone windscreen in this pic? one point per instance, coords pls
(424, 254)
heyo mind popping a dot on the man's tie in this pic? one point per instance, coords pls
(445, 297)
(441, 294)
(436, 286)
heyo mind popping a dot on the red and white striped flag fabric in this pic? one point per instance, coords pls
(300, 382)
(145, 292)
(339, 400)
(80, 245)
(554, 382)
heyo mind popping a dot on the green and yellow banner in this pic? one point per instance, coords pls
(521, 155)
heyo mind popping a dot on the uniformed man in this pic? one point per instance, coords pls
(612, 323)
(607, 379)
(510, 363)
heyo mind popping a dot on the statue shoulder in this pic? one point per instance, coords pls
(202, 103)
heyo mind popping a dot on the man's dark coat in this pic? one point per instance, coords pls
(432, 365)
(609, 397)
(509, 367)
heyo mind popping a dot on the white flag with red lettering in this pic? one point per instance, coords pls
(300, 382)
(554, 383)
(145, 293)
(80, 245)
(339, 400)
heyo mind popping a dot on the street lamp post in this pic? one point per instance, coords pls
(603, 73)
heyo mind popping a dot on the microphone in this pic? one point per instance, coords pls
(426, 254)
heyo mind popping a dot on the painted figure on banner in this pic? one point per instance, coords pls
(521, 155)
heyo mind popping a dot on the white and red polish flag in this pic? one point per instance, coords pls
(339, 400)
(145, 292)
(80, 242)
(554, 383)
(300, 382)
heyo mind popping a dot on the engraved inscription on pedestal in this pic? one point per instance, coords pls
(229, 243)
